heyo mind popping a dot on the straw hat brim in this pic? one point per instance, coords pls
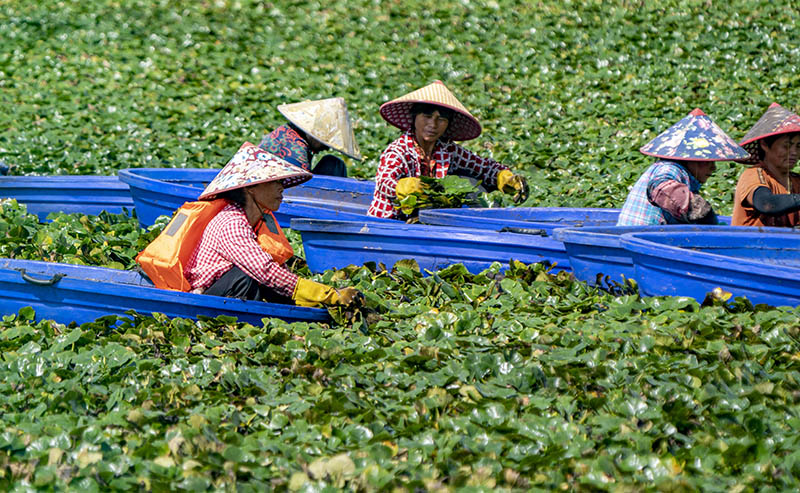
(463, 127)
(355, 153)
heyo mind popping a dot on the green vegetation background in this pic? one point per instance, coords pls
(566, 91)
(459, 382)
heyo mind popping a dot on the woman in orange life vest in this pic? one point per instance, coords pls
(231, 259)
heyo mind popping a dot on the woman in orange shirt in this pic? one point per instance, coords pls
(767, 193)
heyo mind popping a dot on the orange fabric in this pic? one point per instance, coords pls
(276, 244)
(744, 214)
(164, 259)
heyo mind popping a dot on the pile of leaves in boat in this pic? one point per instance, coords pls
(491, 381)
(450, 192)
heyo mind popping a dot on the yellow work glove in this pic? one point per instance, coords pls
(310, 293)
(512, 184)
(408, 186)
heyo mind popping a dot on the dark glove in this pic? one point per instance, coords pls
(700, 211)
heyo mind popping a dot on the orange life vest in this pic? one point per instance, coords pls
(165, 258)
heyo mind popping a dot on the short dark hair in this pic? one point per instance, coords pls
(429, 108)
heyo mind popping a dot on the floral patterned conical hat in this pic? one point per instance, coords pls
(463, 127)
(252, 165)
(327, 120)
(775, 121)
(694, 138)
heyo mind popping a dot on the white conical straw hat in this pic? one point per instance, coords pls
(463, 127)
(327, 121)
(252, 165)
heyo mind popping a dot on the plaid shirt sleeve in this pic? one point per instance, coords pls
(482, 168)
(230, 240)
(391, 168)
(239, 244)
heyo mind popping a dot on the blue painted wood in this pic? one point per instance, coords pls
(85, 194)
(336, 244)
(762, 265)
(82, 294)
(597, 250)
(160, 191)
(547, 218)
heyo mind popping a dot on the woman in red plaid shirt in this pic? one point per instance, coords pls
(242, 249)
(433, 118)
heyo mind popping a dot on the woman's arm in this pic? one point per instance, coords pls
(473, 165)
(766, 202)
(239, 245)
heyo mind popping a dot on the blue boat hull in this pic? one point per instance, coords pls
(73, 293)
(84, 194)
(597, 249)
(336, 244)
(546, 218)
(763, 266)
(160, 191)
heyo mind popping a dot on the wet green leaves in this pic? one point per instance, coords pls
(519, 379)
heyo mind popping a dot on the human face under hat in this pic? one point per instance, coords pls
(701, 170)
(429, 126)
(267, 195)
(782, 155)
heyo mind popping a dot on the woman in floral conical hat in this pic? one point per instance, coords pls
(242, 250)
(432, 119)
(668, 191)
(313, 127)
(768, 193)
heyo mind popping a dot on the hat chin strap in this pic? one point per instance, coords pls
(262, 209)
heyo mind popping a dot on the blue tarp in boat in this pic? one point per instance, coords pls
(67, 293)
(85, 194)
(336, 244)
(763, 266)
(160, 191)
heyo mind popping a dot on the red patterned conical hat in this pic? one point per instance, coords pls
(463, 127)
(775, 121)
(252, 165)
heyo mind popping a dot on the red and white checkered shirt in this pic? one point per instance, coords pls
(230, 240)
(402, 159)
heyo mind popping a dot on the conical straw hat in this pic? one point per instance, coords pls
(327, 121)
(463, 127)
(775, 121)
(252, 165)
(694, 138)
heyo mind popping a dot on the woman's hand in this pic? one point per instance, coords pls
(512, 184)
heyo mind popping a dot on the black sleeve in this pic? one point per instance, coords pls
(766, 202)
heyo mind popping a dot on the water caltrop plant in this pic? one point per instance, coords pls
(514, 379)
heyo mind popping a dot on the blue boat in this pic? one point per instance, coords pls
(547, 218)
(597, 250)
(160, 191)
(336, 244)
(763, 266)
(85, 194)
(75, 293)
